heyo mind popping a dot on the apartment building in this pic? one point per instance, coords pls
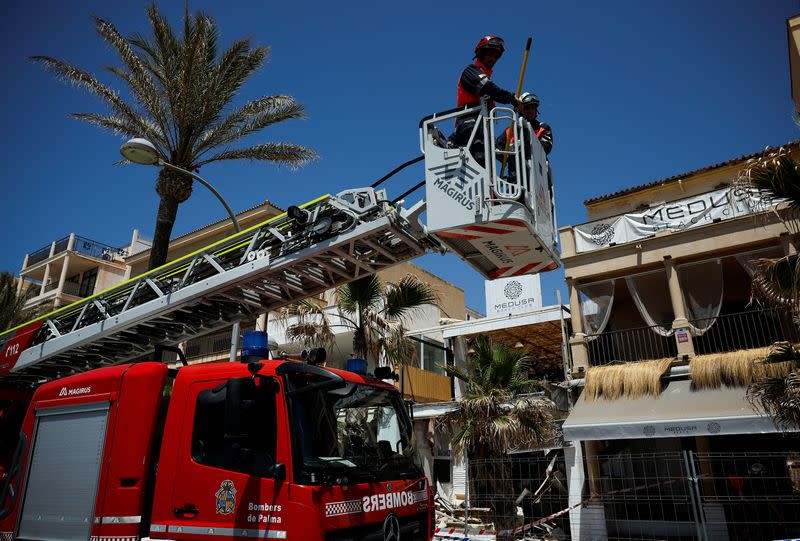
(663, 334)
(69, 269)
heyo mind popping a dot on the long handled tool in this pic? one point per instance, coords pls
(519, 90)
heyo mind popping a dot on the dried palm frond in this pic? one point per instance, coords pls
(734, 368)
(778, 281)
(644, 378)
(776, 386)
(779, 398)
(495, 415)
(777, 178)
(492, 425)
(605, 381)
(632, 380)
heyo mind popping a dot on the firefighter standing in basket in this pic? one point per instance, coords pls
(542, 130)
(473, 84)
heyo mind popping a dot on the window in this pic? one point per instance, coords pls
(246, 442)
(87, 283)
(433, 355)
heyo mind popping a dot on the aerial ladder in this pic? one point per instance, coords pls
(501, 228)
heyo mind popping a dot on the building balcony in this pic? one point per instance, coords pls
(729, 332)
(80, 245)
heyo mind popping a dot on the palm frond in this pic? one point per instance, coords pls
(286, 154)
(312, 325)
(12, 305)
(410, 295)
(138, 78)
(494, 415)
(116, 124)
(90, 83)
(779, 398)
(359, 294)
(776, 177)
(778, 281)
(253, 116)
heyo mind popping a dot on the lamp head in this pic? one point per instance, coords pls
(140, 151)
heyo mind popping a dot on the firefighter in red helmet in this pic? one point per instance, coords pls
(473, 84)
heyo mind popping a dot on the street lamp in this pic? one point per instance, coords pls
(144, 152)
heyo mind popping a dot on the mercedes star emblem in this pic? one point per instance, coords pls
(391, 528)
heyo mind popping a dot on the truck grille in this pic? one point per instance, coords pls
(413, 528)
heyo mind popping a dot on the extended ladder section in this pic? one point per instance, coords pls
(502, 223)
(323, 244)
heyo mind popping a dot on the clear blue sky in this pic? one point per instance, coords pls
(635, 91)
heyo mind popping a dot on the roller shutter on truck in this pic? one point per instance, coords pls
(61, 485)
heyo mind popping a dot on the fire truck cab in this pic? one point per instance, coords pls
(258, 450)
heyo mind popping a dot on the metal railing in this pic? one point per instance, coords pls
(745, 330)
(664, 496)
(629, 345)
(727, 332)
(92, 248)
(39, 255)
(82, 245)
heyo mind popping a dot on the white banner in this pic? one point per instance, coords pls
(678, 215)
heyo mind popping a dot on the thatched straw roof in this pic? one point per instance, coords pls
(633, 380)
(735, 368)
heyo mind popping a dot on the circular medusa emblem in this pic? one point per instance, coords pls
(513, 289)
(713, 427)
(602, 234)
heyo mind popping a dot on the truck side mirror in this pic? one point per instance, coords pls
(279, 471)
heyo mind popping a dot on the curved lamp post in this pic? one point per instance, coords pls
(144, 152)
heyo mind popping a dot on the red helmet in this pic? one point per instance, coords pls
(490, 42)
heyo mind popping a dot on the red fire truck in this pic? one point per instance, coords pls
(259, 450)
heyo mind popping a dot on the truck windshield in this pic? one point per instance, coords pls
(350, 434)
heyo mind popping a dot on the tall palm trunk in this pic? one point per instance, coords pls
(165, 220)
(173, 188)
(360, 346)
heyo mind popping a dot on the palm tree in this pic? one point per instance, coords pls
(12, 311)
(182, 91)
(497, 413)
(776, 389)
(376, 313)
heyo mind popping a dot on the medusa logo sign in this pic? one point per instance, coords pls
(457, 190)
(602, 234)
(512, 290)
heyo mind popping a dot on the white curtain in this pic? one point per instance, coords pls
(702, 288)
(596, 301)
(650, 294)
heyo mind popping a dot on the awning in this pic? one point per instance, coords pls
(679, 411)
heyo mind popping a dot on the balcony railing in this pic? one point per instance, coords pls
(629, 345)
(728, 332)
(92, 248)
(82, 245)
(425, 386)
(745, 330)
